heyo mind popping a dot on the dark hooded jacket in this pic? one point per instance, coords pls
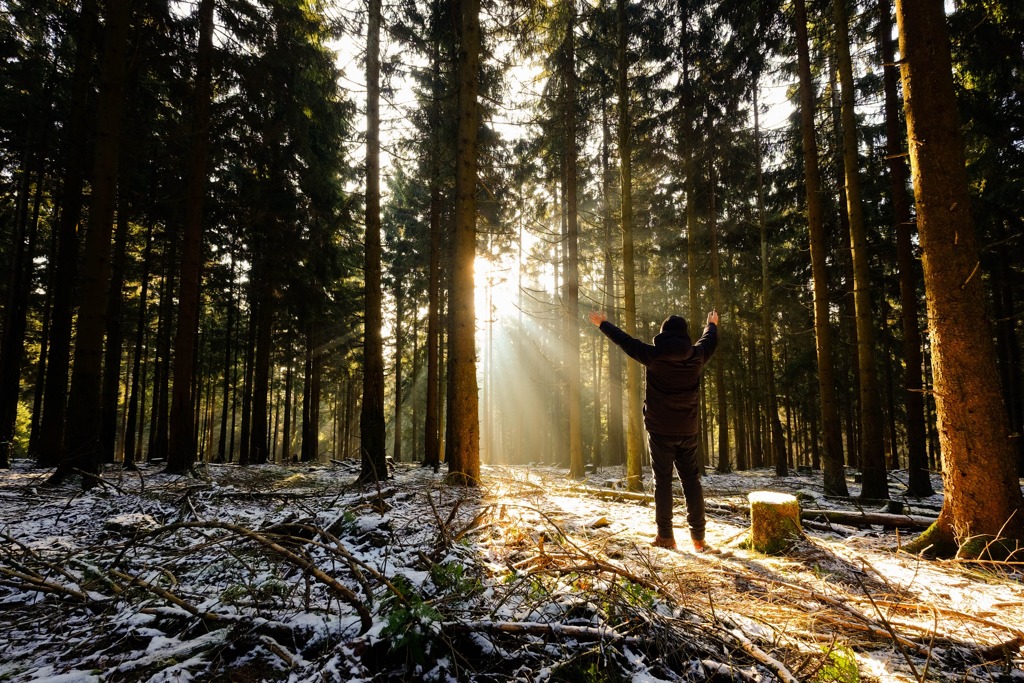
(671, 406)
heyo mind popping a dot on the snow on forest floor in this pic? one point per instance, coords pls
(275, 573)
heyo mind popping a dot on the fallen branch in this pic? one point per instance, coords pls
(869, 624)
(588, 633)
(761, 656)
(864, 518)
(170, 597)
(954, 613)
(343, 592)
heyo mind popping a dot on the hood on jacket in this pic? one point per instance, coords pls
(676, 323)
(675, 344)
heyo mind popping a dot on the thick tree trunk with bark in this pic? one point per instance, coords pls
(431, 422)
(51, 430)
(835, 480)
(634, 424)
(181, 455)
(371, 418)
(980, 478)
(463, 446)
(81, 431)
(259, 437)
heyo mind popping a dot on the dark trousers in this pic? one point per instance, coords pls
(680, 451)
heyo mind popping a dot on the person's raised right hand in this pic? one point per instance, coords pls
(597, 317)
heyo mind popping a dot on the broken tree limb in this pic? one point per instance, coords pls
(589, 633)
(761, 656)
(300, 561)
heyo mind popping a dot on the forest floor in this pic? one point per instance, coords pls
(277, 573)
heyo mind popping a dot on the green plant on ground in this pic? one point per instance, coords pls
(411, 621)
(451, 578)
(840, 666)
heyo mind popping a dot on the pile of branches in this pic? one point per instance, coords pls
(416, 581)
(386, 584)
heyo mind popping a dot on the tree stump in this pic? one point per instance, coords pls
(774, 521)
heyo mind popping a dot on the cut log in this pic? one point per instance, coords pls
(774, 521)
(857, 518)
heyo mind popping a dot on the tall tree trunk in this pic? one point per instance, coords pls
(181, 454)
(616, 437)
(690, 141)
(872, 451)
(311, 404)
(81, 433)
(431, 421)
(979, 471)
(259, 436)
(835, 480)
(371, 419)
(1011, 372)
(136, 398)
(16, 311)
(776, 438)
(634, 425)
(245, 436)
(158, 428)
(463, 447)
(44, 348)
(399, 314)
(724, 462)
(572, 275)
(51, 429)
(416, 370)
(229, 366)
(115, 334)
(289, 383)
(918, 480)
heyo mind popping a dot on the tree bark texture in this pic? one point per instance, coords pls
(463, 446)
(835, 480)
(181, 455)
(980, 478)
(371, 416)
(51, 431)
(431, 423)
(81, 430)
